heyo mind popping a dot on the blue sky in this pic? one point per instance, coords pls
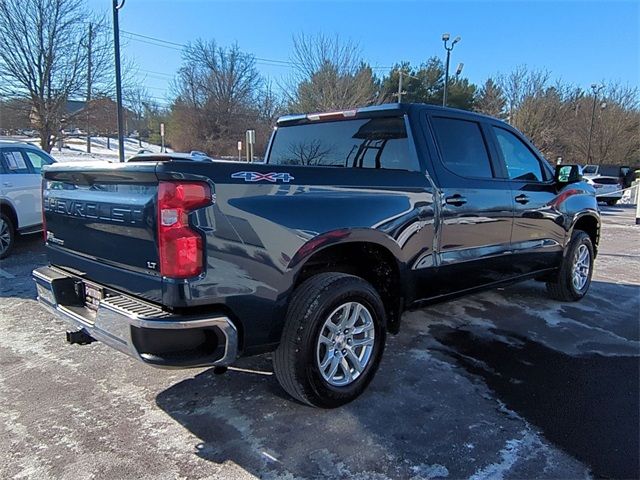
(580, 42)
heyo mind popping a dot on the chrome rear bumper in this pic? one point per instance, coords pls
(139, 329)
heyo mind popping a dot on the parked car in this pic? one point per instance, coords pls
(354, 217)
(20, 191)
(623, 173)
(608, 189)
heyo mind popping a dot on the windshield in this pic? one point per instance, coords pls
(590, 170)
(380, 142)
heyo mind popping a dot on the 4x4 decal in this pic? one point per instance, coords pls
(272, 177)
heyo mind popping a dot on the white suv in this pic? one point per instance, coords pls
(20, 191)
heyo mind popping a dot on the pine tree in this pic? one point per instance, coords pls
(425, 84)
(490, 100)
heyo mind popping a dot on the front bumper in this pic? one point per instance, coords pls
(139, 329)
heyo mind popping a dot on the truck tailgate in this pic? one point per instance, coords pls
(101, 219)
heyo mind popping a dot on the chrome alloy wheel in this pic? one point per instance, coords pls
(5, 236)
(345, 344)
(581, 268)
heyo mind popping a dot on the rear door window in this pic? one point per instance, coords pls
(462, 147)
(377, 143)
(37, 160)
(14, 161)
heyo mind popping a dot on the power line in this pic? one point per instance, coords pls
(156, 73)
(157, 88)
(181, 45)
(152, 43)
(172, 46)
(159, 42)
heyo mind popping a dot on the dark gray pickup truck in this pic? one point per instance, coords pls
(355, 217)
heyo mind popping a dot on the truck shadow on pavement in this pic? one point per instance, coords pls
(478, 386)
(587, 405)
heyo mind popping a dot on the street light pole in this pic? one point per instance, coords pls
(445, 39)
(117, 5)
(596, 89)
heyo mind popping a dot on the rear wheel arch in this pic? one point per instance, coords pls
(370, 261)
(10, 212)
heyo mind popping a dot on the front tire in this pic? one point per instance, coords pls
(333, 340)
(574, 278)
(7, 235)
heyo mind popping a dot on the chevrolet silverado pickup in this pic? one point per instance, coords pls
(354, 217)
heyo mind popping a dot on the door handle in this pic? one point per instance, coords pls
(456, 200)
(7, 184)
(522, 199)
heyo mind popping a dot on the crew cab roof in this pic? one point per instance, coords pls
(371, 111)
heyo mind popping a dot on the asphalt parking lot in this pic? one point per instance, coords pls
(501, 384)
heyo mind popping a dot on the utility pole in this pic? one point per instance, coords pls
(117, 5)
(596, 89)
(400, 91)
(87, 105)
(445, 39)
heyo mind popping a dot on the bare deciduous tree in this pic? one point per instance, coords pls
(42, 57)
(616, 126)
(520, 84)
(329, 75)
(557, 118)
(137, 101)
(218, 91)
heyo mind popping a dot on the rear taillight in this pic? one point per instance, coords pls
(180, 247)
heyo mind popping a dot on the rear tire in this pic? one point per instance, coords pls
(7, 235)
(611, 201)
(574, 278)
(333, 340)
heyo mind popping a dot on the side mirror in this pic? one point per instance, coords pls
(566, 174)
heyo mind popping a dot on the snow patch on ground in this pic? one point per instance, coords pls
(75, 149)
(514, 451)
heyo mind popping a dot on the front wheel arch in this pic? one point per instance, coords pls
(590, 224)
(561, 286)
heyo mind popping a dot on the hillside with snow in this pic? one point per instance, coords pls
(75, 148)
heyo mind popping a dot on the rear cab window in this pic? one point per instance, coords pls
(372, 143)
